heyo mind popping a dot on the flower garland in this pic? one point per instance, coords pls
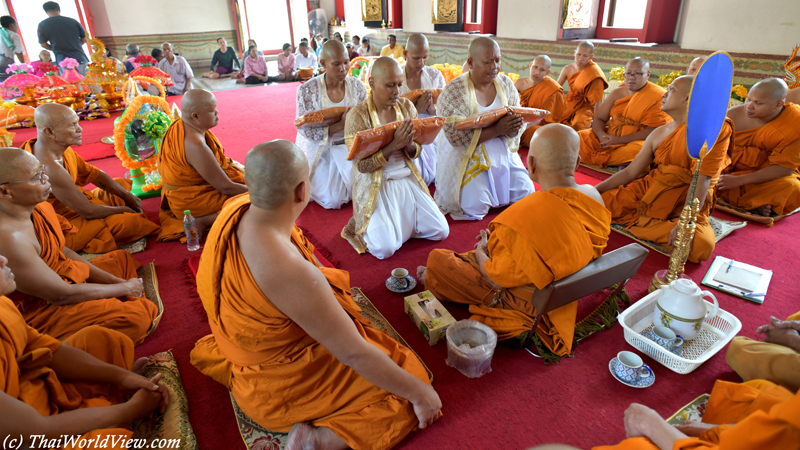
(147, 165)
(161, 92)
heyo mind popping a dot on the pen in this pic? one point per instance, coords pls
(730, 264)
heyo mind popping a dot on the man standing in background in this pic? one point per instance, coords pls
(63, 35)
(10, 45)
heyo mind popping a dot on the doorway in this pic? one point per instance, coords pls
(29, 13)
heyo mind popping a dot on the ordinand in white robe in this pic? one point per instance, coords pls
(391, 202)
(472, 178)
(426, 163)
(330, 172)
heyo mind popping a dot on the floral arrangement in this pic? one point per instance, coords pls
(48, 69)
(618, 73)
(513, 76)
(19, 68)
(665, 80)
(69, 63)
(739, 92)
(449, 71)
(145, 60)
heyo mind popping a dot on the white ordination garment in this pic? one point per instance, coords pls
(330, 172)
(471, 178)
(426, 163)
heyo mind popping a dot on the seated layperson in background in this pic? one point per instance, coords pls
(285, 64)
(222, 62)
(391, 202)
(763, 175)
(305, 58)
(177, 68)
(255, 68)
(105, 217)
(59, 292)
(331, 172)
(287, 338)
(694, 66)
(542, 92)
(196, 173)
(476, 174)
(419, 76)
(650, 207)
(132, 52)
(518, 255)
(53, 388)
(625, 118)
(393, 49)
(587, 84)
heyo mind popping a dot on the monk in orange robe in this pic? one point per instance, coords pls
(287, 338)
(649, 207)
(542, 92)
(516, 255)
(587, 83)
(105, 217)
(58, 292)
(196, 173)
(625, 118)
(38, 402)
(764, 175)
(694, 66)
(753, 415)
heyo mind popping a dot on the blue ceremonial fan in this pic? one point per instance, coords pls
(708, 103)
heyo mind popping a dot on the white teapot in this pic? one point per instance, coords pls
(680, 307)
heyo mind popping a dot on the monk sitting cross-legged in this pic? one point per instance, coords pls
(542, 238)
(196, 173)
(625, 118)
(541, 92)
(764, 173)
(73, 388)
(649, 207)
(287, 338)
(587, 83)
(59, 292)
(105, 217)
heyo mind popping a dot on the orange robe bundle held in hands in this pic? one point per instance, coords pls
(367, 142)
(415, 94)
(489, 118)
(586, 88)
(278, 374)
(184, 188)
(322, 118)
(547, 95)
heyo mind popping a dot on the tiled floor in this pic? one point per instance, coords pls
(223, 84)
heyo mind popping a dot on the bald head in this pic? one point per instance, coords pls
(195, 101)
(554, 149)
(774, 89)
(482, 45)
(586, 45)
(694, 66)
(383, 67)
(273, 171)
(416, 41)
(50, 115)
(542, 61)
(333, 49)
(15, 164)
(683, 84)
(639, 63)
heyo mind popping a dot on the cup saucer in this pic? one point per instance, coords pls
(412, 283)
(677, 351)
(640, 383)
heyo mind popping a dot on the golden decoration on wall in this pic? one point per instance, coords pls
(371, 10)
(444, 11)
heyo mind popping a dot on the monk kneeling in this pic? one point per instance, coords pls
(541, 92)
(518, 254)
(46, 382)
(625, 118)
(587, 84)
(650, 207)
(763, 175)
(59, 292)
(106, 216)
(196, 173)
(287, 338)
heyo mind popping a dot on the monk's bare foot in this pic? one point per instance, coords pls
(139, 365)
(421, 272)
(765, 210)
(303, 436)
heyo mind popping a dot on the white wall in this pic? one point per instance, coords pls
(740, 26)
(528, 19)
(352, 14)
(114, 18)
(417, 16)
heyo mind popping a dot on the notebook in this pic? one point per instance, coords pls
(739, 279)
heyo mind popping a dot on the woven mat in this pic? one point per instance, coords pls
(131, 247)
(692, 411)
(174, 424)
(150, 280)
(721, 227)
(257, 437)
(724, 206)
(611, 170)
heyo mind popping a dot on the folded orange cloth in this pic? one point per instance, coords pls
(370, 141)
(487, 119)
(321, 118)
(414, 95)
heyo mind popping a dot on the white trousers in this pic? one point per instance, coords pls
(332, 184)
(426, 163)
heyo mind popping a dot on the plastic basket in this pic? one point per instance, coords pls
(715, 334)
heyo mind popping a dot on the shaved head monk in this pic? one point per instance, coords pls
(517, 255)
(587, 83)
(479, 169)
(53, 388)
(331, 172)
(764, 174)
(694, 66)
(540, 91)
(419, 76)
(752, 415)
(196, 173)
(104, 217)
(58, 292)
(277, 314)
(649, 207)
(625, 118)
(391, 202)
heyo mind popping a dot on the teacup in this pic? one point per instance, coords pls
(400, 279)
(630, 367)
(666, 338)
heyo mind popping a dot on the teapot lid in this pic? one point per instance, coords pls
(685, 286)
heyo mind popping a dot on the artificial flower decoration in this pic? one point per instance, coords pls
(739, 92)
(48, 69)
(145, 60)
(69, 63)
(19, 68)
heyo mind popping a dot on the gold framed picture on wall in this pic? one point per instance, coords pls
(371, 10)
(444, 11)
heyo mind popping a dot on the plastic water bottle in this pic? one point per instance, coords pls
(189, 227)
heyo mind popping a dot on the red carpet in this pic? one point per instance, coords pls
(522, 402)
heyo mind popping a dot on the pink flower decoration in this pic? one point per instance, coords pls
(69, 63)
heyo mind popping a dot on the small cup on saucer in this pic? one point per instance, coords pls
(631, 367)
(666, 338)
(400, 281)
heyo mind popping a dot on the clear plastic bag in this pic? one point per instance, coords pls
(470, 346)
